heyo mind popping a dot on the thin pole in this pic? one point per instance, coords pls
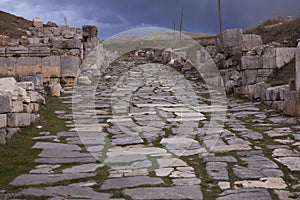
(220, 17)
(181, 18)
(174, 29)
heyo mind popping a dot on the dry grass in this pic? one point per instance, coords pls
(279, 29)
(13, 26)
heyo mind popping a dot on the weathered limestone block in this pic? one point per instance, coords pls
(27, 85)
(252, 62)
(67, 44)
(249, 77)
(8, 87)
(34, 40)
(12, 42)
(251, 41)
(69, 35)
(2, 136)
(69, 66)
(3, 120)
(18, 119)
(37, 22)
(36, 79)
(233, 38)
(284, 55)
(269, 58)
(39, 51)
(28, 65)
(55, 89)
(35, 97)
(89, 31)
(291, 104)
(260, 91)
(16, 51)
(51, 66)
(17, 106)
(8, 66)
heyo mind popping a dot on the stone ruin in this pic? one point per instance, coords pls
(48, 54)
(53, 51)
(246, 65)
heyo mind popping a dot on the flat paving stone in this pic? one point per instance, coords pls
(65, 160)
(268, 183)
(65, 191)
(91, 167)
(57, 153)
(186, 181)
(241, 194)
(36, 179)
(227, 159)
(176, 192)
(56, 146)
(127, 182)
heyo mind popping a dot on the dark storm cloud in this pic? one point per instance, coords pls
(114, 16)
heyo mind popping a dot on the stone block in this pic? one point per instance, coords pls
(89, 32)
(17, 106)
(67, 44)
(251, 41)
(8, 66)
(51, 66)
(291, 104)
(69, 66)
(260, 91)
(27, 85)
(39, 51)
(13, 42)
(69, 35)
(269, 58)
(37, 22)
(2, 137)
(233, 38)
(34, 40)
(5, 103)
(284, 56)
(249, 77)
(252, 62)
(28, 65)
(3, 120)
(16, 51)
(35, 97)
(18, 119)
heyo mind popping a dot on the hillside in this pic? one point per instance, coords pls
(282, 30)
(13, 26)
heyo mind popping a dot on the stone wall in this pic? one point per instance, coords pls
(246, 65)
(20, 102)
(53, 51)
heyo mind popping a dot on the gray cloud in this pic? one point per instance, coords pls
(114, 16)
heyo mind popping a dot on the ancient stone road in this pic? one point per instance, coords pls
(146, 134)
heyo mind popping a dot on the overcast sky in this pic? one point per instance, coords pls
(114, 16)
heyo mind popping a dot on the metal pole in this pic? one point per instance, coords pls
(220, 17)
(181, 17)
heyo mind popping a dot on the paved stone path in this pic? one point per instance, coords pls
(142, 135)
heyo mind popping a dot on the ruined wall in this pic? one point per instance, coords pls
(246, 65)
(19, 104)
(53, 51)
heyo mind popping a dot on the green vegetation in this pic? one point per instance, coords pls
(17, 157)
(13, 26)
